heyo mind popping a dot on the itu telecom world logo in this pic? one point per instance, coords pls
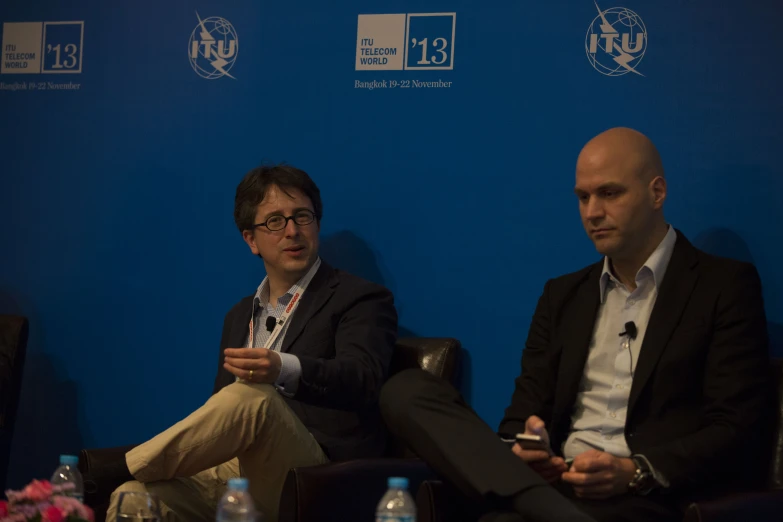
(213, 47)
(616, 41)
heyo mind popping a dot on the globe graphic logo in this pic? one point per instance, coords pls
(213, 47)
(616, 41)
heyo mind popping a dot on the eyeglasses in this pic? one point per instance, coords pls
(302, 217)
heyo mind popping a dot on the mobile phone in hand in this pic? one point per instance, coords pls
(532, 442)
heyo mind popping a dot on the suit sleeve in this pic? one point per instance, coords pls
(735, 392)
(535, 386)
(364, 342)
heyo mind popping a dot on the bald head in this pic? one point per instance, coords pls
(625, 149)
(621, 190)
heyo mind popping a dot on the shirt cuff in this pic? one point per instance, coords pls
(657, 475)
(290, 370)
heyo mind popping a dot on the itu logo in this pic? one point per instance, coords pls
(616, 41)
(213, 47)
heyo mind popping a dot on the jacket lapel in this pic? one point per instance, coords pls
(240, 328)
(577, 324)
(672, 298)
(318, 292)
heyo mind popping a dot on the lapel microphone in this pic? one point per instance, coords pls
(271, 321)
(630, 330)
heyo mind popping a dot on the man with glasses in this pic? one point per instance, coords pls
(301, 366)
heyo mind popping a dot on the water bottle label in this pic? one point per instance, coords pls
(394, 518)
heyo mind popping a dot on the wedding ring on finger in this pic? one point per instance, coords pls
(250, 378)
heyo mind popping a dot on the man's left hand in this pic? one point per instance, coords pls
(264, 364)
(598, 475)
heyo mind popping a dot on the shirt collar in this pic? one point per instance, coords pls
(262, 294)
(655, 265)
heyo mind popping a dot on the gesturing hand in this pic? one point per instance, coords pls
(258, 365)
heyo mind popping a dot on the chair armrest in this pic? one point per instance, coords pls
(438, 501)
(104, 470)
(346, 491)
(758, 506)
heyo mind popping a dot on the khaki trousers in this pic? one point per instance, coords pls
(243, 430)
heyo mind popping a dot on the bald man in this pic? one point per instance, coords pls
(643, 374)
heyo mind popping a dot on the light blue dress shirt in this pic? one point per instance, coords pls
(599, 415)
(291, 368)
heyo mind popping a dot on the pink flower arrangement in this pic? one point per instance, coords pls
(39, 501)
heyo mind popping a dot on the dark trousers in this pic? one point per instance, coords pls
(431, 416)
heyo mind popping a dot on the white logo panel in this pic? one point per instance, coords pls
(21, 48)
(380, 42)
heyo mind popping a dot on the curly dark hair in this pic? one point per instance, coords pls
(253, 188)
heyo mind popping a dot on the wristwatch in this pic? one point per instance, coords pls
(643, 481)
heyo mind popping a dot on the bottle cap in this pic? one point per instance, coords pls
(239, 484)
(69, 460)
(398, 482)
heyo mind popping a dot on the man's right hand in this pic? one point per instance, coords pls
(549, 467)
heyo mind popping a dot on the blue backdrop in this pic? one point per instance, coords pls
(452, 186)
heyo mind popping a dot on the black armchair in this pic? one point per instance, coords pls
(349, 491)
(13, 348)
(765, 505)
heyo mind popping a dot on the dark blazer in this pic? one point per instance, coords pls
(700, 389)
(343, 332)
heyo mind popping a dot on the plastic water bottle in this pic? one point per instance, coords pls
(397, 504)
(68, 475)
(236, 504)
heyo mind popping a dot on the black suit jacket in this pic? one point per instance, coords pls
(700, 390)
(343, 332)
